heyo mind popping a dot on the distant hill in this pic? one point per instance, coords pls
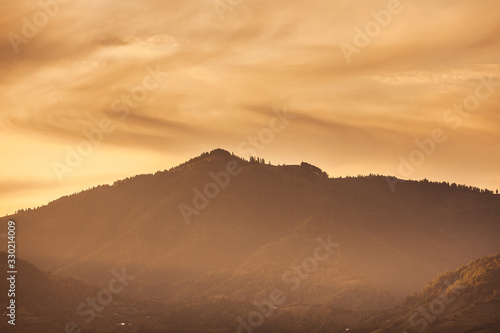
(465, 300)
(47, 303)
(266, 219)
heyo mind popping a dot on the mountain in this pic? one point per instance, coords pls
(51, 304)
(219, 226)
(465, 300)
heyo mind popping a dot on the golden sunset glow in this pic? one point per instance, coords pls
(144, 86)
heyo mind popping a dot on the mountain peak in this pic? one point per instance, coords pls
(220, 152)
(216, 154)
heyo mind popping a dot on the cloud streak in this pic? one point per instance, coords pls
(225, 78)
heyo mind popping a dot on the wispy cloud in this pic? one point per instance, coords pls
(224, 76)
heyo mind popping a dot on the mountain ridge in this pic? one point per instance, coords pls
(227, 156)
(393, 242)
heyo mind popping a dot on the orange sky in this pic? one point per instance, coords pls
(167, 80)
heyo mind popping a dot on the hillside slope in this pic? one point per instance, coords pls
(265, 220)
(51, 304)
(465, 300)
